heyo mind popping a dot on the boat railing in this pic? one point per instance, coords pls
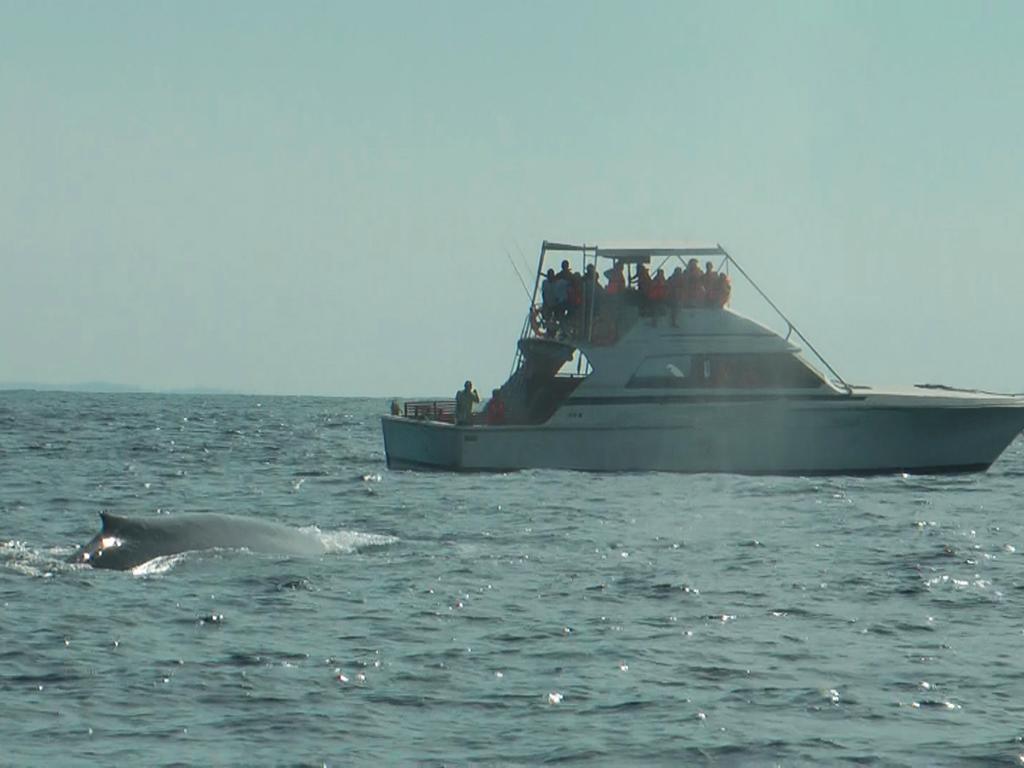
(430, 410)
(791, 329)
(588, 323)
(526, 330)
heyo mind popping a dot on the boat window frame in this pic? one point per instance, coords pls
(702, 371)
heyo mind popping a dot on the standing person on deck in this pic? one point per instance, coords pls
(560, 291)
(657, 295)
(724, 291)
(643, 284)
(693, 285)
(592, 295)
(616, 279)
(548, 302)
(675, 286)
(575, 306)
(710, 283)
(464, 400)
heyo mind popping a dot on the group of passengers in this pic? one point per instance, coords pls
(691, 288)
(570, 301)
(564, 295)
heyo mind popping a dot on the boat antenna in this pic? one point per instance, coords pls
(519, 275)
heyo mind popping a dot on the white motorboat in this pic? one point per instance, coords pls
(620, 383)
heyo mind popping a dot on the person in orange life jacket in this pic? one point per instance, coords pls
(710, 282)
(658, 288)
(675, 286)
(711, 292)
(693, 291)
(616, 280)
(658, 293)
(574, 302)
(575, 290)
(722, 292)
(495, 408)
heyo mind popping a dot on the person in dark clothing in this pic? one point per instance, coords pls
(464, 400)
(675, 286)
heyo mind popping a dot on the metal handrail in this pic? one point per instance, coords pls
(789, 323)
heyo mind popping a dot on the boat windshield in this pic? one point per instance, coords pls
(725, 371)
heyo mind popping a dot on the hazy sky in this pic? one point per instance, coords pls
(316, 198)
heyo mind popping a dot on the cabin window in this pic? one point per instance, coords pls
(664, 372)
(765, 371)
(578, 365)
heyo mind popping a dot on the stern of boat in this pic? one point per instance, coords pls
(413, 443)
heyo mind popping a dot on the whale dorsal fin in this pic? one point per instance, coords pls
(112, 522)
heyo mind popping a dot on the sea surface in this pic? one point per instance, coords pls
(529, 618)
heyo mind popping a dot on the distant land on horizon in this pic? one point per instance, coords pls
(107, 387)
(111, 388)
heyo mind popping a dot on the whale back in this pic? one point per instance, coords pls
(125, 542)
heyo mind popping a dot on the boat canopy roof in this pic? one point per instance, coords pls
(640, 253)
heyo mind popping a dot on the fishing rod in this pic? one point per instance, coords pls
(522, 257)
(529, 296)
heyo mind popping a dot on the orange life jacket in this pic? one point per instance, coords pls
(643, 281)
(710, 281)
(496, 411)
(724, 290)
(658, 290)
(693, 289)
(675, 285)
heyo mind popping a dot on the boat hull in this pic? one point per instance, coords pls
(836, 437)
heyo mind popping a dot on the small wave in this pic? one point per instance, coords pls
(18, 556)
(335, 542)
(21, 558)
(352, 541)
(159, 565)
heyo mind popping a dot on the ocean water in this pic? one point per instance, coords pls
(518, 619)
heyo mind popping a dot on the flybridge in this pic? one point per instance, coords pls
(636, 253)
